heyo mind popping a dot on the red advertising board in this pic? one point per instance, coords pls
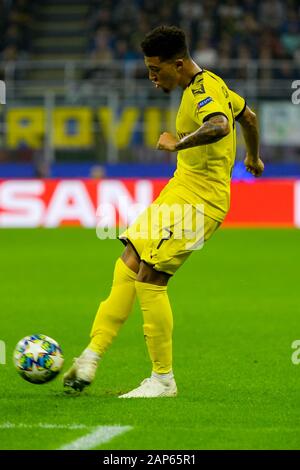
(262, 203)
(51, 203)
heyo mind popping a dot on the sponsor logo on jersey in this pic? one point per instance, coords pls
(204, 102)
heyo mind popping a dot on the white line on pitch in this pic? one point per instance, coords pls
(98, 436)
(43, 425)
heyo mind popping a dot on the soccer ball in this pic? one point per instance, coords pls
(38, 358)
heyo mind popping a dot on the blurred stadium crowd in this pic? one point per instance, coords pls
(218, 29)
(15, 35)
(227, 29)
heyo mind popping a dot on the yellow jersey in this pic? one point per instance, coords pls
(204, 172)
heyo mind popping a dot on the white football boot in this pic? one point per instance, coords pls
(153, 388)
(82, 372)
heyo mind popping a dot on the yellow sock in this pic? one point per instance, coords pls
(113, 312)
(158, 324)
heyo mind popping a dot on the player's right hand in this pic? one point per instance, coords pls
(167, 141)
(254, 166)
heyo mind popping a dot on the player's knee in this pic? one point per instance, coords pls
(149, 275)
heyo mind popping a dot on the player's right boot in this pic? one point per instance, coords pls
(153, 388)
(82, 372)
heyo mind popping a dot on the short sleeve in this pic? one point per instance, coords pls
(207, 107)
(238, 104)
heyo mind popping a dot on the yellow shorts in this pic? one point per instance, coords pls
(169, 230)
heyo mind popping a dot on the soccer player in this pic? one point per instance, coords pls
(206, 146)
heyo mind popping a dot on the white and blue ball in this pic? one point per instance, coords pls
(38, 358)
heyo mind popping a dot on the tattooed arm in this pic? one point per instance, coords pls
(211, 131)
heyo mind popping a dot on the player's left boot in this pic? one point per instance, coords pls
(153, 388)
(82, 372)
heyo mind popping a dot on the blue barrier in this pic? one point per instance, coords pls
(132, 170)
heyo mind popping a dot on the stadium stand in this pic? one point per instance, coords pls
(56, 55)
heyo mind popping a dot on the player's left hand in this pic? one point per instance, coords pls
(167, 142)
(255, 166)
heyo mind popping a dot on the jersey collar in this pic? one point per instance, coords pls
(193, 79)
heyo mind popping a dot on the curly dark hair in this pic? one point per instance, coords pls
(165, 42)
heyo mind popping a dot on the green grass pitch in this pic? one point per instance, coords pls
(236, 313)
